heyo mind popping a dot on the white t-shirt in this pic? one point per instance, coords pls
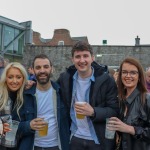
(45, 109)
(82, 86)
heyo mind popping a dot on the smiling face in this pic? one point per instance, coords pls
(129, 76)
(42, 70)
(14, 79)
(82, 61)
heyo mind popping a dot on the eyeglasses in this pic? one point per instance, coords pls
(131, 73)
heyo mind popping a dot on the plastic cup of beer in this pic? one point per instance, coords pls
(108, 133)
(79, 116)
(44, 130)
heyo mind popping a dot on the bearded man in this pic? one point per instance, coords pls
(49, 107)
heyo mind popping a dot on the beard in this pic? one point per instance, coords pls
(43, 80)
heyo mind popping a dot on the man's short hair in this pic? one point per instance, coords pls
(41, 56)
(81, 46)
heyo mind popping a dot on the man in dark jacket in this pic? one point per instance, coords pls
(87, 82)
(49, 107)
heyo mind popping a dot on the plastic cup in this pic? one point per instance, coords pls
(44, 130)
(11, 135)
(1, 128)
(79, 116)
(108, 133)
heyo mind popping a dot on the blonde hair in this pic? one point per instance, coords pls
(4, 89)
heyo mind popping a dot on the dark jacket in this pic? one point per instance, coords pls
(25, 135)
(62, 120)
(29, 111)
(138, 116)
(103, 98)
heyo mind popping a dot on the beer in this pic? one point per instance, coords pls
(80, 116)
(44, 130)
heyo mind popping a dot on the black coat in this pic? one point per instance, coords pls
(138, 116)
(103, 98)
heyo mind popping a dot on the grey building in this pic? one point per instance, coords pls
(13, 37)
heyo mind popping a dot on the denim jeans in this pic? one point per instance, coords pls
(82, 144)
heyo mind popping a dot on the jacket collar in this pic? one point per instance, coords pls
(98, 69)
(92, 78)
(133, 95)
(32, 90)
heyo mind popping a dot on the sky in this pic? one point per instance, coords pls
(117, 21)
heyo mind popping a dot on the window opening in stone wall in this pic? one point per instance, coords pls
(61, 43)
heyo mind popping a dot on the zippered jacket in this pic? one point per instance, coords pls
(103, 98)
(29, 111)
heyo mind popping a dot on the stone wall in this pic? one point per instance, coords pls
(108, 55)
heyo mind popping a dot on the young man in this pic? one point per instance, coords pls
(49, 107)
(86, 81)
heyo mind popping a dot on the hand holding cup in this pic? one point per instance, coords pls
(37, 124)
(44, 130)
(79, 107)
(109, 134)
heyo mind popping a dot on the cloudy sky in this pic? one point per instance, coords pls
(117, 21)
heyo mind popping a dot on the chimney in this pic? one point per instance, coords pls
(137, 41)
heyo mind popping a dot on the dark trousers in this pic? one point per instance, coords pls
(82, 144)
(6, 148)
(46, 148)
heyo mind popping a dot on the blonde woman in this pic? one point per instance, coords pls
(18, 103)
